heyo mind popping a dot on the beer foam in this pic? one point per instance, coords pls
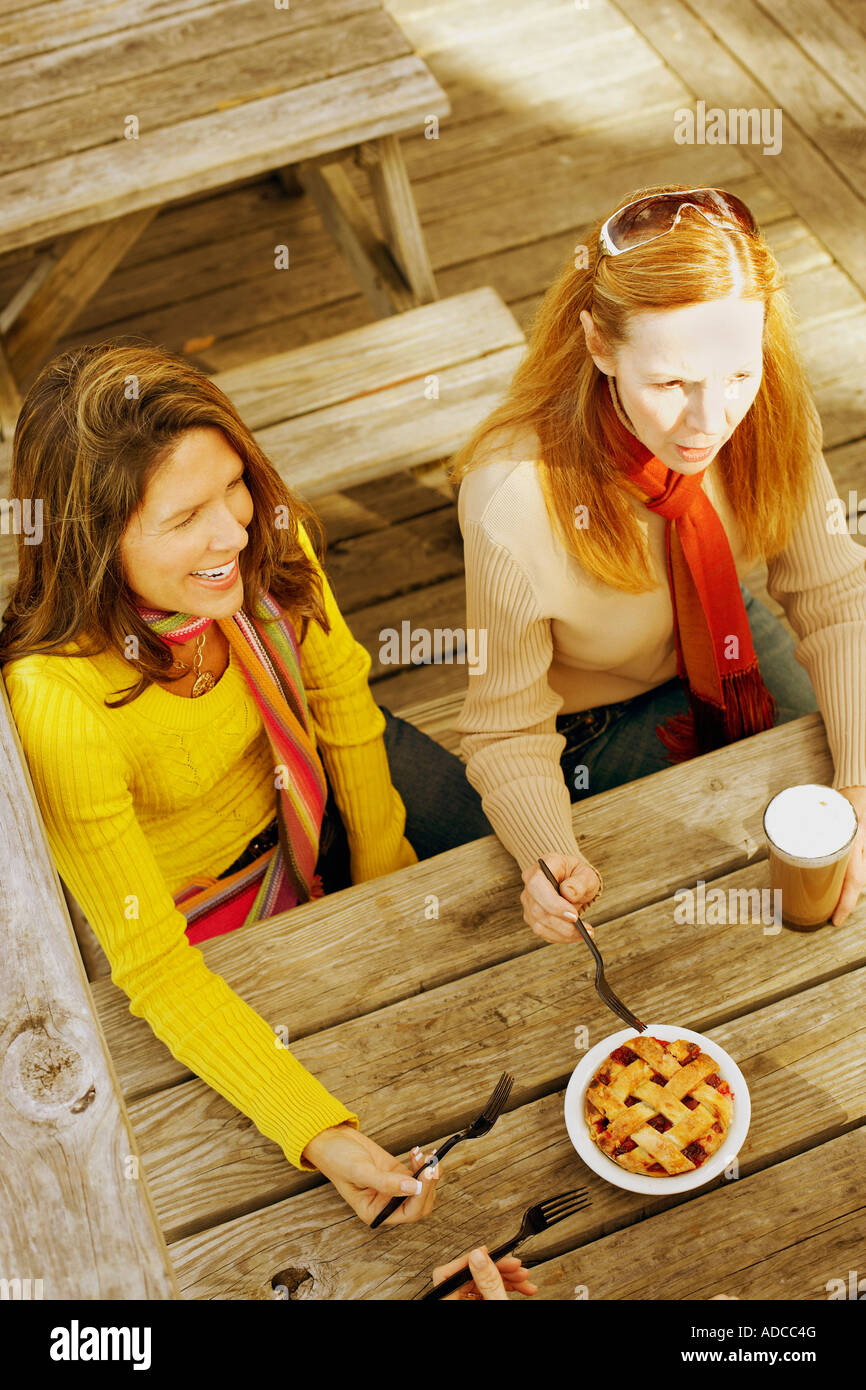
(810, 821)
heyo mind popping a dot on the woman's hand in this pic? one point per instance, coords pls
(544, 910)
(855, 874)
(366, 1176)
(486, 1279)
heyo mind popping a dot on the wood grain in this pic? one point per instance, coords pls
(764, 1237)
(76, 1210)
(209, 150)
(241, 1157)
(804, 1095)
(726, 59)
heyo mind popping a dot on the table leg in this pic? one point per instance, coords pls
(289, 182)
(389, 181)
(49, 303)
(10, 398)
(346, 219)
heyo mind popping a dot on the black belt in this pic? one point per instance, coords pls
(258, 845)
(586, 723)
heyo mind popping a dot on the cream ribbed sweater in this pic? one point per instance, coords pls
(559, 641)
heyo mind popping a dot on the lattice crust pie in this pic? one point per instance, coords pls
(657, 1107)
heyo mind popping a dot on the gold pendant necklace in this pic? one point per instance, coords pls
(204, 680)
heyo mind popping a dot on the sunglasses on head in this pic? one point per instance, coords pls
(656, 214)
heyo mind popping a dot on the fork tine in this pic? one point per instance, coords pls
(630, 1017)
(501, 1092)
(558, 1208)
(563, 1215)
(614, 1002)
(573, 1194)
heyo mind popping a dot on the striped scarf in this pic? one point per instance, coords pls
(268, 656)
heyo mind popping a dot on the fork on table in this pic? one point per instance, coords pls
(481, 1125)
(536, 1219)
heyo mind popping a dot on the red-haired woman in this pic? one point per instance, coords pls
(658, 440)
(247, 767)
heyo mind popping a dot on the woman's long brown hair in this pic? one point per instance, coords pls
(558, 393)
(95, 426)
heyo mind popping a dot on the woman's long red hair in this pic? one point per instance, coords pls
(558, 394)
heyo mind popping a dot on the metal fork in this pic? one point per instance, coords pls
(535, 1219)
(603, 989)
(481, 1125)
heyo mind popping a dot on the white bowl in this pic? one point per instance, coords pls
(642, 1182)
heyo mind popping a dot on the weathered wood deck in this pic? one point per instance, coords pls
(554, 112)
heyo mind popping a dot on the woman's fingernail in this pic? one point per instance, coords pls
(432, 1172)
(412, 1185)
(416, 1152)
(476, 1259)
(572, 916)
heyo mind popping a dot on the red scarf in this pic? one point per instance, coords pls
(727, 696)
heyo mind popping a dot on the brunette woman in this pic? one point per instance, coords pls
(199, 726)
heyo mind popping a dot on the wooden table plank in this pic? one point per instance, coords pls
(782, 1234)
(207, 151)
(182, 90)
(398, 1069)
(795, 1055)
(76, 1210)
(205, 35)
(43, 25)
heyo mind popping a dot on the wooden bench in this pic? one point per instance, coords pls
(394, 394)
(216, 93)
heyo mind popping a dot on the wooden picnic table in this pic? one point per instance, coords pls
(110, 111)
(410, 1017)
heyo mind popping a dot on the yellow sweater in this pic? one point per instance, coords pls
(137, 800)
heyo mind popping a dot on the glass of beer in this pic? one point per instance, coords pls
(810, 830)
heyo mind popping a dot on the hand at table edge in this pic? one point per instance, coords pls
(486, 1280)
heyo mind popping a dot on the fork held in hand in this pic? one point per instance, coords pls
(481, 1125)
(603, 989)
(535, 1219)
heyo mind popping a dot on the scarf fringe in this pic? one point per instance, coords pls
(748, 709)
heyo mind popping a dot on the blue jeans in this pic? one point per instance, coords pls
(615, 743)
(442, 808)
(618, 743)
